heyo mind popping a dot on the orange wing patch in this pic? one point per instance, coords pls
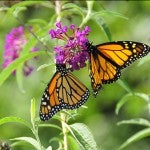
(50, 100)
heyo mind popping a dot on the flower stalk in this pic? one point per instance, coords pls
(58, 10)
(64, 129)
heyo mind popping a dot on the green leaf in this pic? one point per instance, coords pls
(50, 126)
(98, 18)
(38, 21)
(137, 121)
(103, 26)
(7, 71)
(123, 100)
(18, 10)
(14, 144)
(83, 136)
(124, 85)
(128, 97)
(144, 60)
(72, 145)
(49, 148)
(4, 8)
(20, 4)
(19, 77)
(33, 112)
(28, 46)
(15, 120)
(144, 96)
(136, 137)
(73, 8)
(110, 13)
(30, 140)
(44, 66)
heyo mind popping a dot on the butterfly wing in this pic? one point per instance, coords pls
(50, 104)
(95, 68)
(64, 91)
(71, 92)
(108, 59)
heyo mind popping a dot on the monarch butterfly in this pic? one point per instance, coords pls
(64, 91)
(107, 60)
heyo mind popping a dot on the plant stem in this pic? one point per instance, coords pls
(87, 17)
(64, 129)
(58, 10)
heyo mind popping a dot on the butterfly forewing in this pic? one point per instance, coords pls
(122, 53)
(50, 104)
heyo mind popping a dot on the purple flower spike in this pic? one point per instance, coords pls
(74, 52)
(14, 43)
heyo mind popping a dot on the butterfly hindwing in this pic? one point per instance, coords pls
(71, 92)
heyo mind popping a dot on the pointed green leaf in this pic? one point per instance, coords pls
(123, 100)
(144, 96)
(18, 10)
(20, 4)
(83, 136)
(144, 60)
(103, 26)
(73, 8)
(49, 148)
(19, 77)
(7, 71)
(30, 140)
(124, 85)
(137, 121)
(15, 120)
(72, 144)
(50, 126)
(111, 13)
(128, 96)
(136, 137)
(44, 66)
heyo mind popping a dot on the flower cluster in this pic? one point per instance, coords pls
(14, 43)
(73, 52)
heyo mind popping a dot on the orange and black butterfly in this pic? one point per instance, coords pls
(107, 60)
(64, 91)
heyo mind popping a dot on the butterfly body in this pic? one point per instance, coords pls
(108, 59)
(64, 91)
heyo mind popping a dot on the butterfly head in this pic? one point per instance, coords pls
(90, 47)
(61, 68)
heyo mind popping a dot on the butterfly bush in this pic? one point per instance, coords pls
(73, 52)
(14, 43)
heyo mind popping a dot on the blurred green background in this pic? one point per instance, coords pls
(100, 115)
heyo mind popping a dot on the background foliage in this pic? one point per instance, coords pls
(113, 20)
